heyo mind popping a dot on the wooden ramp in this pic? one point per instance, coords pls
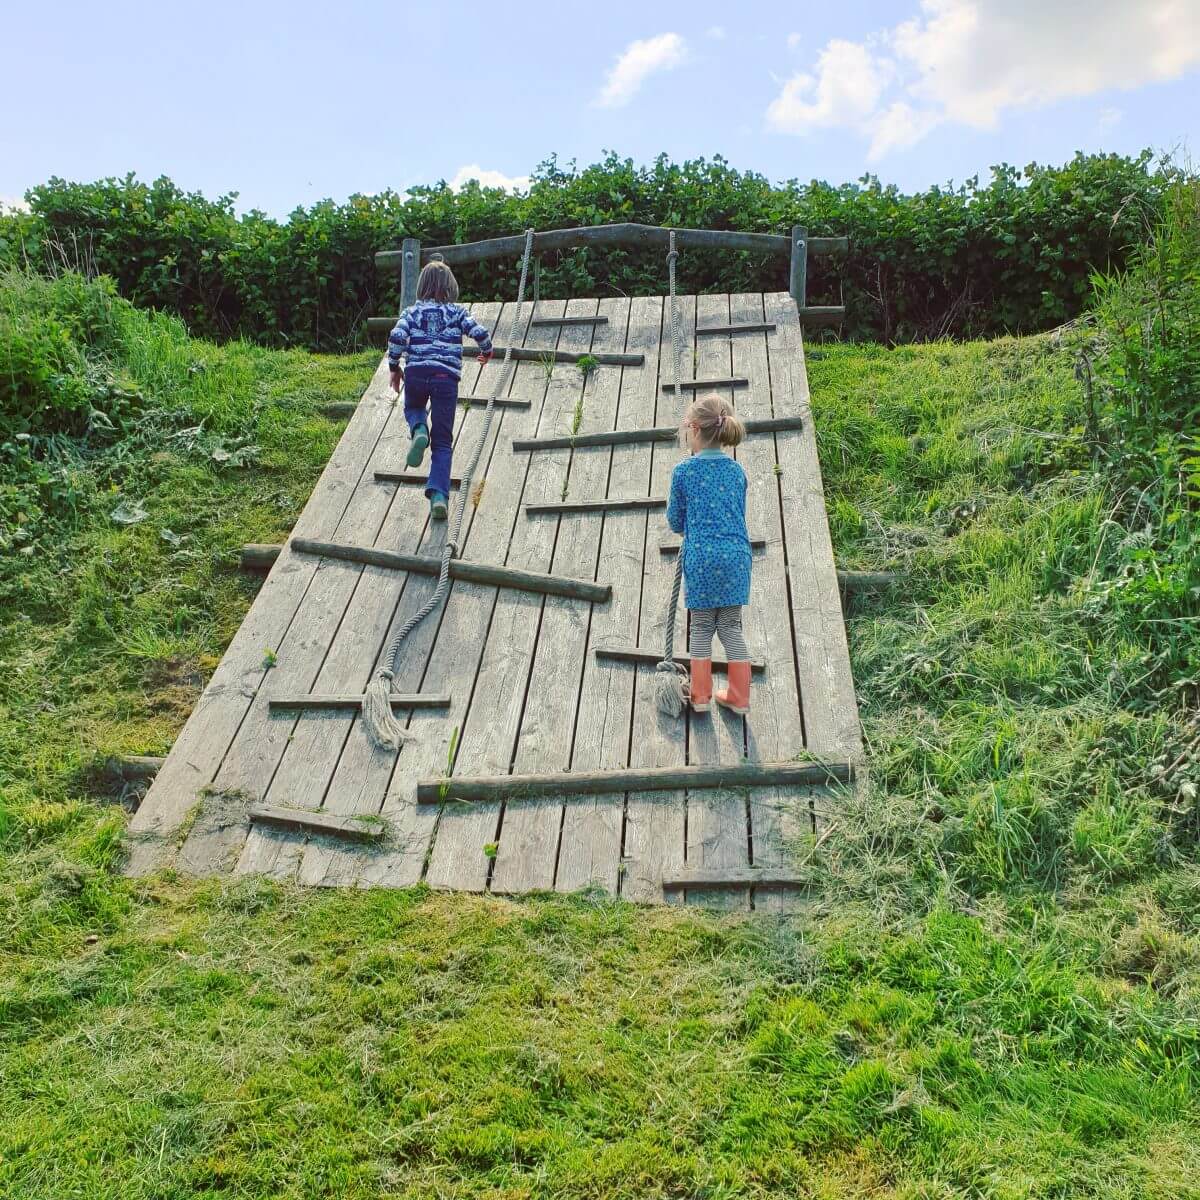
(511, 680)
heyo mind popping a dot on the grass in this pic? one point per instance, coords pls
(993, 993)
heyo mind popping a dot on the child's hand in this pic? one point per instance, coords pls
(485, 357)
(397, 379)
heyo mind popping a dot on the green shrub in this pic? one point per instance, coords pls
(1012, 253)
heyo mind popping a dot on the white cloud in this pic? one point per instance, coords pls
(794, 39)
(1110, 117)
(716, 32)
(13, 204)
(492, 179)
(639, 60)
(967, 62)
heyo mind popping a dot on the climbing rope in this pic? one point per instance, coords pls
(382, 727)
(671, 680)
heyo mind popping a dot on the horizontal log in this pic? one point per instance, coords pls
(866, 581)
(630, 437)
(591, 506)
(673, 547)
(317, 703)
(569, 321)
(501, 402)
(633, 236)
(337, 411)
(697, 384)
(651, 658)
(468, 572)
(303, 820)
(379, 327)
(718, 877)
(410, 477)
(259, 556)
(749, 327)
(649, 779)
(133, 768)
(831, 314)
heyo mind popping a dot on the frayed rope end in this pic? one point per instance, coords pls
(384, 731)
(671, 688)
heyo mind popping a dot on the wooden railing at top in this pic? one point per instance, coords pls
(409, 259)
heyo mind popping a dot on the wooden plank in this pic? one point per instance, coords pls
(589, 851)
(556, 321)
(830, 710)
(319, 703)
(736, 877)
(745, 327)
(315, 740)
(527, 853)
(441, 654)
(822, 314)
(491, 727)
(717, 820)
(798, 285)
(655, 821)
(220, 711)
(625, 504)
(756, 543)
(473, 572)
(623, 234)
(413, 477)
(774, 730)
(651, 658)
(700, 777)
(299, 820)
(717, 383)
(623, 437)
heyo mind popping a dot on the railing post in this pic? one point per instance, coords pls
(410, 268)
(799, 280)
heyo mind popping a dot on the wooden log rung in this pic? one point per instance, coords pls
(501, 401)
(379, 327)
(749, 327)
(560, 321)
(650, 658)
(410, 477)
(311, 702)
(822, 314)
(719, 877)
(673, 547)
(741, 775)
(304, 820)
(593, 506)
(468, 572)
(696, 384)
(631, 437)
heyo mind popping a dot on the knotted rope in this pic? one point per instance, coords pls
(671, 680)
(382, 727)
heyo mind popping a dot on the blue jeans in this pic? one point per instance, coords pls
(431, 388)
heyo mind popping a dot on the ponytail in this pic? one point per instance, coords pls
(715, 420)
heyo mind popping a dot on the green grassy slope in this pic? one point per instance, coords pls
(993, 991)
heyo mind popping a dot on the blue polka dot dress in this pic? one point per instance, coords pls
(708, 506)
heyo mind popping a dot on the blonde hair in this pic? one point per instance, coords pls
(715, 421)
(437, 282)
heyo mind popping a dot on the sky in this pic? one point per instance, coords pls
(287, 104)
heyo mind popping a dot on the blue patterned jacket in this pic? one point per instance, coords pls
(708, 506)
(430, 334)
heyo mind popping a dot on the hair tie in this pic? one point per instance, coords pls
(720, 421)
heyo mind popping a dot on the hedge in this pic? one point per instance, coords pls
(1012, 254)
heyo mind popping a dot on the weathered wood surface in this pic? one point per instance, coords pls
(476, 401)
(739, 774)
(472, 572)
(534, 684)
(651, 658)
(716, 383)
(627, 437)
(411, 477)
(299, 820)
(798, 281)
(744, 327)
(623, 234)
(258, 556)
(596, 320)
(379, 327)
(822, 315)
(705, 878)
(314, 702)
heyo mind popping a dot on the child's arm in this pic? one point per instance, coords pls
(677, 504)
(398, 341)
(472, 328)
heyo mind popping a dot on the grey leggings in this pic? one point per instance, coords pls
(726, 623)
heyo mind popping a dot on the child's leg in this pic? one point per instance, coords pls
(416, 398)
(729, 630)
(443, 389)
(704, 623)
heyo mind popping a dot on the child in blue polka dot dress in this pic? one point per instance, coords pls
(708, 506)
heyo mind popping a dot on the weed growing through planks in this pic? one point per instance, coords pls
(547, 364)
(490, 850)
(451, 750)
(477, 494)
(270, 659)
(588, 365)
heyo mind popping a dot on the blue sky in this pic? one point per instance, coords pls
(289, 103)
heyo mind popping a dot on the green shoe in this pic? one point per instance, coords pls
(416, 451)
(437, 506)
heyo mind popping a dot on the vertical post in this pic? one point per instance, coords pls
(537, 280)
(799, 280)
(410, 268)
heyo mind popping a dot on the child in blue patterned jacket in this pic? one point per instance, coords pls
(429, 334)
(708, 506)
